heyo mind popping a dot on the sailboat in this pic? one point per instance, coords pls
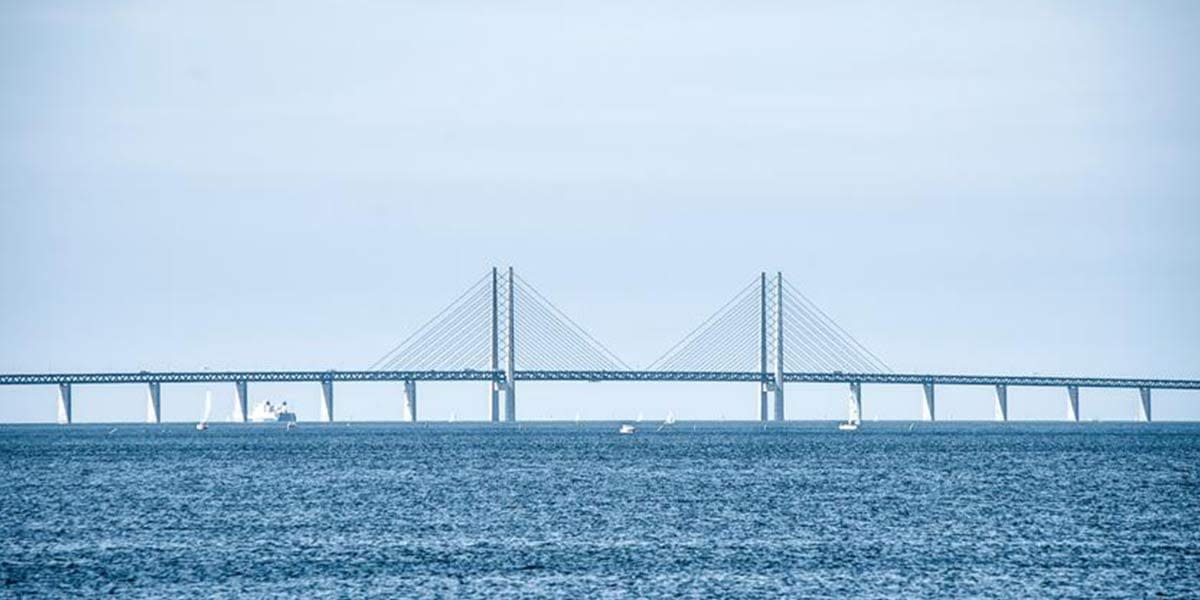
(855, 418)
(203, 424)
(669, 422)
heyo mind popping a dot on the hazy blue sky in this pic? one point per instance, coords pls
(1004, 187)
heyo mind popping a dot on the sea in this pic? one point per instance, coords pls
(565, 510)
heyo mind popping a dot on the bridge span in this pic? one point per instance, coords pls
(475, 339)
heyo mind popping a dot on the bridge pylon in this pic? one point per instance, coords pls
(504, 332)
(772, 312)
(477, 334)
(770, 332)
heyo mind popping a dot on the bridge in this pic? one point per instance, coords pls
(769, 334)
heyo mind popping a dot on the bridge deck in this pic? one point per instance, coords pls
(592, 376)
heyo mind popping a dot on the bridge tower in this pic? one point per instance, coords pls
(494, 406)
(765, 385)
(778, 346)
(503, 305)
(770, 328)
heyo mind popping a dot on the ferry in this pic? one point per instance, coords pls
(265, 412)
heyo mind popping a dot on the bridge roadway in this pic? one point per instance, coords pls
(160, 377)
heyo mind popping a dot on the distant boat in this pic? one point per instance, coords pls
(453, 418)
(203, 424)
(266, 413)
(627, 429)
(639, 418)
(855, 418)
(576, 418)
(291, 425)
(667, 423)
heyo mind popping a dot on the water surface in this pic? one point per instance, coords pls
(476, 510)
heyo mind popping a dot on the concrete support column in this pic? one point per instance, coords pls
(1073, 403)
(154, 403)
(64, 403)
(1144, 405)
(1001, 402)
(494, 405)
(510, 363)
(240, 402)
(764, 390)
(763, 386)
(928, 411)
(778, 346)
(327, 400)
(855, 402)
(410, 401)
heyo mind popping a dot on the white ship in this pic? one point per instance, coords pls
(265, 412)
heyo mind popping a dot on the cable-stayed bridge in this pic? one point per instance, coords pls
(502, 330)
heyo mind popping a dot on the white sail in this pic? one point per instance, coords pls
(207, 406)
(855, 406)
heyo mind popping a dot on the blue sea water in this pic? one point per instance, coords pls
(565, 510)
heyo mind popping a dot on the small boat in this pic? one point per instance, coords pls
(291, 425)
(669, 422)
(203, 424)
(627, 429)
(855, 419)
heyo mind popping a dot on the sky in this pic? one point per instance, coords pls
(992, 187)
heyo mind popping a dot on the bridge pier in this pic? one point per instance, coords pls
(855, 402)
(510, 402)
(64, 403)
(154, 403)
(494, 405)
(1001, 402)
(778, 346)
(928, 412)
(510, 363)
(1073, 403)
(764, 386)
(410, 401)
(240, 401)
(763, 390)
(1144, 405)
(327, 400)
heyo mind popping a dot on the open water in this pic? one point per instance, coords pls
(565, 510)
